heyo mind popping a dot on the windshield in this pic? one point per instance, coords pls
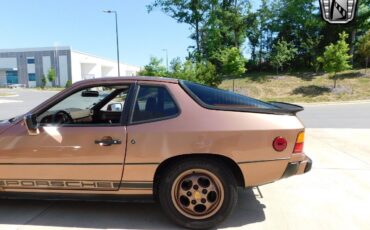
(79, 101)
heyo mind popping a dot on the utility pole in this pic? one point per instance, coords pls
(166, 50)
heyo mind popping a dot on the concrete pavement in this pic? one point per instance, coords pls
(334, 195)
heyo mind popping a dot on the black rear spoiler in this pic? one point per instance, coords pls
(291, 108)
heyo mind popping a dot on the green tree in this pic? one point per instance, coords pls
(184, 71)
(201, 72)
(191, 12)
(335, 58)
(154, 68)
(364, 47)
(44, 81)
(231, 62)
(283, 52)
(215, 24)
(300, 22)
(310, 51)
(359, 25)
(206, 74)
(68, 84)
(265, 14)
(51, 75)
(356, 28)
(218, 25)
(253, 35)
(225, 27)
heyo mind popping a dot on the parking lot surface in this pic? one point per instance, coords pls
(337, 115)
(334, 195)
(21, 101)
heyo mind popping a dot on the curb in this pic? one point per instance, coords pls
(334, 103)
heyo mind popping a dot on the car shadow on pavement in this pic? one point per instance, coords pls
(108, 215)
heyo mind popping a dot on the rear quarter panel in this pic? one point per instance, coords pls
(246, 138)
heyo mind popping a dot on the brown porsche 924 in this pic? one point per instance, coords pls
(189, 146)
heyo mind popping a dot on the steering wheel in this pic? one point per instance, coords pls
(61, 117)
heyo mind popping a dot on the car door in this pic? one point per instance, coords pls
(63, 157)
(152, 125)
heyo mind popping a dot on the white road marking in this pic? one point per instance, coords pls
(3, 101)
(334, 103)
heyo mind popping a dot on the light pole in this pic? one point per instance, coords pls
(166, 50)
(115, 14)
(56, 64)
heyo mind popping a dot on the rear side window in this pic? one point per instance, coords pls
(222, 98)
(153, 103)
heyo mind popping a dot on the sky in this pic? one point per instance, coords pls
(82, 25)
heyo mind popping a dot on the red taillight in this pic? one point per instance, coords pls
(298, 147)
(280, 144)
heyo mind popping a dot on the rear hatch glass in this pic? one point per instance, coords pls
(213, 98)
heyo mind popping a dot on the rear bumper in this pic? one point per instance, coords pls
(296, 168)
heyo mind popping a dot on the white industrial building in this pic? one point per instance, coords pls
(27, 66)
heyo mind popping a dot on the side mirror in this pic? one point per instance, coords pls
(89, 93)
(31, 124)
(115, 107)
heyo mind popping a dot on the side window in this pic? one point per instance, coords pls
(116, 104)
(153, 102)
(97, 106)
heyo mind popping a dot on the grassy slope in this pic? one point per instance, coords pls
(303, 87)
(50, 88)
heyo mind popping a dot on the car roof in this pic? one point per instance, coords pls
(129, 78)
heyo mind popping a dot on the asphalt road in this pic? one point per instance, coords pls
(22, 101)
(342, 115)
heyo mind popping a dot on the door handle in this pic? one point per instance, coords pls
(108, 141)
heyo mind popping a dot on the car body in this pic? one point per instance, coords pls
(165, 128)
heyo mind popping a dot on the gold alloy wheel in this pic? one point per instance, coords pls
(197, 194)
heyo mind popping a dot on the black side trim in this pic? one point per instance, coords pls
(76, 197)
(249, 162)
(129, 104)
(50, 184)
(130, 185)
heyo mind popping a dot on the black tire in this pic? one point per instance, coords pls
(171, 206)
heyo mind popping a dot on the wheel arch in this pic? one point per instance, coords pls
(231, 164)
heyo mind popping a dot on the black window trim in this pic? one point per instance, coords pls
(124, 114)
(132, 106)
(277, 111)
